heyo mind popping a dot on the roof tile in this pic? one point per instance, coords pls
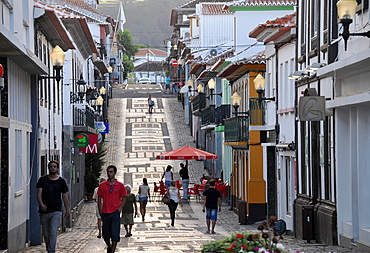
(240, 3)
(214, 8)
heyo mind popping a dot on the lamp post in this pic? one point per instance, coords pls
(81, 91)
(102, 91)
(148, 61)
(92, 100)
(259, 86)
(190, 84)
(99, 103)
(235, 101)
(212, 86)
(200, 88)
(57, 57)
(346, 12)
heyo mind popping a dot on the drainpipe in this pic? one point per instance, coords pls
(277, 127)
(296, 115)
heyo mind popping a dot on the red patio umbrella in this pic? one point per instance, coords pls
(186, 153)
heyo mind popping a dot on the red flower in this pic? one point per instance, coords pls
(239, 236)
(230, 250)
(232, 246)
(244, 247)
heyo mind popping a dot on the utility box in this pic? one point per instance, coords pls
(308, 224)
(242, 212)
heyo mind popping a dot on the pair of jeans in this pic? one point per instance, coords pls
(172, 206)
(167, 184)
(50, 224)
(111, 226)
(185, 186)
(211, 214)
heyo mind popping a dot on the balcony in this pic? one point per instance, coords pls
(208, 117)
(222, 112)
(237, 131)
(199, 102)
(257, 112)
(83, 120)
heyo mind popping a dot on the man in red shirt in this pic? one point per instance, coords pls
(111, 200)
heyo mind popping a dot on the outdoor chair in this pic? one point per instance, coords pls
(156, 190)
(194, 191)
(178, 185)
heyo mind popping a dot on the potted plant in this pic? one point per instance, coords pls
(93, 166)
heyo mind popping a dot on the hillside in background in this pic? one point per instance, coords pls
(148, 21)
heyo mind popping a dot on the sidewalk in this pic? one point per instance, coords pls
(155, 234)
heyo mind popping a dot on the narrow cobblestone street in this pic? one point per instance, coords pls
(135, 138)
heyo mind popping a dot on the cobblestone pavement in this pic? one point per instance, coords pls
(135, 138)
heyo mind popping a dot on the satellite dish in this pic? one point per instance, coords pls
(213, 52)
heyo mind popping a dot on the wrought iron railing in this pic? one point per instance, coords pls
(199, 102)
(208, 115)
(257, 112)
(222, 112)
(237, 129)
(83, 117)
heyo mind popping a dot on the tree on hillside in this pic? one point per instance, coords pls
(129, 53)
(126, 41)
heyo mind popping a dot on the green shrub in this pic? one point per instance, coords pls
(93, 166)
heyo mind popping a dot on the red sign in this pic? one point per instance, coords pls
(1, 70)
(93, 145)
(175, 63)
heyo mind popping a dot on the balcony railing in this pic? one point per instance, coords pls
(199, 102)
(222, 112)
(208, 115)
(83, 117)
(257, 112)
(237, 129)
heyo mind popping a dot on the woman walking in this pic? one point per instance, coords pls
(168, 176)
(174, 194)
(150, 103)
(144, 196)
(127, 218)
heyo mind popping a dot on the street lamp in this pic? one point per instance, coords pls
(57, 60)
(99, 103)
(148, 63)
(190, 84)
(212, 86)
(81, 91)
(235, 101)
(200, 88)
(92, 100)
(259, 85)
(297, 74)
(346, 12)
(315, 66)
(102, 90)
